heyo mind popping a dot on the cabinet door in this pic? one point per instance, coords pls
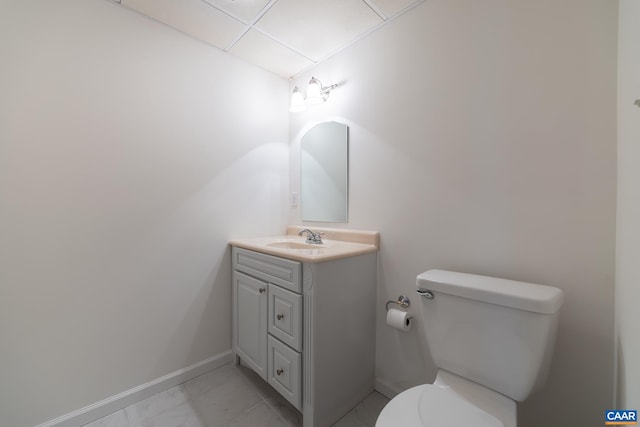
(285, 316)
(250, 321)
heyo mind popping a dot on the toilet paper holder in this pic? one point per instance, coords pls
(403, 301)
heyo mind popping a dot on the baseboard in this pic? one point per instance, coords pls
(120, 401)
(386, 389)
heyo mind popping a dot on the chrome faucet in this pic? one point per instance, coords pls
(313, 238)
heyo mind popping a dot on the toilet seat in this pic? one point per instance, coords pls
(434, 405)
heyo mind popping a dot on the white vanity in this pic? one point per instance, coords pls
(304, 317)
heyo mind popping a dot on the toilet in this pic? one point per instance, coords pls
(492, 340)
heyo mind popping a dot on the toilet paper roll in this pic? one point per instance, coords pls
(399, 319)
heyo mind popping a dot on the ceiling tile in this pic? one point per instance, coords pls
(261, 50)
(317, 29)
(246, 10)
(392, 7)
(193, 17)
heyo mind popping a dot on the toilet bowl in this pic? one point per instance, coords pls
(492, 340)
(450, 401)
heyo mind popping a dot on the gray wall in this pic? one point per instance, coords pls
(628, 238)
(129, 155)
(483, 140)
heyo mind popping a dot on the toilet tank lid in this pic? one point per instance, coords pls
(509, 293)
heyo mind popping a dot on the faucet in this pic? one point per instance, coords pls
(313, 238)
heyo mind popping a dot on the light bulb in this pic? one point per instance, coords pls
(314, 92)
(297, 100)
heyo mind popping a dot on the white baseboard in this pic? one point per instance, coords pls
(120, 401)
(386, 389)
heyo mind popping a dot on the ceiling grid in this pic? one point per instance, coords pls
(284, 36)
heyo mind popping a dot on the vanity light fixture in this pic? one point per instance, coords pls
(316, 94)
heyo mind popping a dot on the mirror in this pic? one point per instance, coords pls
(324, 173)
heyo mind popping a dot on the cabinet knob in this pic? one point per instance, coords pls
(280, 316)
(280, 372)
(262, 290)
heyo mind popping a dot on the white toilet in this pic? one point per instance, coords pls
(492, 340)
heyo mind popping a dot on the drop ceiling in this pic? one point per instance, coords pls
(283, 36)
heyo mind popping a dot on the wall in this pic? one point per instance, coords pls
(628, 237)
(129, 155)
(482, 140)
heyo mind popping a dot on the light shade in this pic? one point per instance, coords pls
(314, 92)
(297, 100)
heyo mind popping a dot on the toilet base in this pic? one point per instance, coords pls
(451, 400)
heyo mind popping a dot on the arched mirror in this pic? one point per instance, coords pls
(324, 173)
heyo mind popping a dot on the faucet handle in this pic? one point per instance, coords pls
(315, 238)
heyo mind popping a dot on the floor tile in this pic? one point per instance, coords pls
(182, 415)
(216, 378)
(262, 387)
(156, 405)
(365, 413)
(369, 409)
(260, 415)
(350, 420)
(229, 396)
(222, 395)
(285, 409)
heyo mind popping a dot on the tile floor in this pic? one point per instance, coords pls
(229, 396)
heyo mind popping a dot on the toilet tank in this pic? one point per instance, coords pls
(497, 332)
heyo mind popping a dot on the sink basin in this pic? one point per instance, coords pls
(292, 245)
(338, 243)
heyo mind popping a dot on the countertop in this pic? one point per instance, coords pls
(337, 244)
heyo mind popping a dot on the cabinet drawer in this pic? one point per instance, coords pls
(282, 272)
(285, 316)
(285, 371)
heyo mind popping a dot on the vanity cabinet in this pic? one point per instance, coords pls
(267, 319)
(307, 328)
